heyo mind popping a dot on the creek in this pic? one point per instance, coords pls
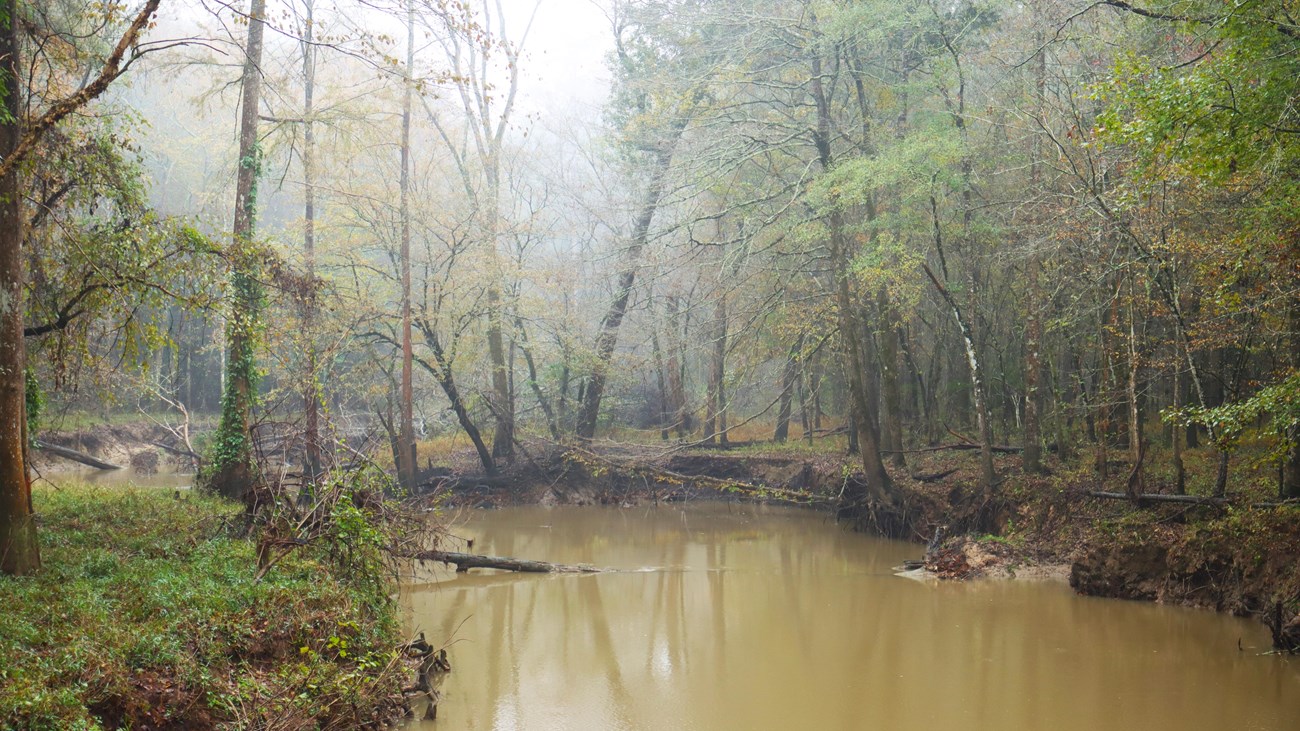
(740, 616)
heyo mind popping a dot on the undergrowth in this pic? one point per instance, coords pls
(147, 615)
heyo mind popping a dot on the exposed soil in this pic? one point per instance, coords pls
(1243, 562)
(126, 445)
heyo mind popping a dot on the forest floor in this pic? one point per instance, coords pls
(147, 615)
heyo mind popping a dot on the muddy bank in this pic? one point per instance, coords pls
(142, 448)
(629, 476)
(1232, 559)
(1243, 562)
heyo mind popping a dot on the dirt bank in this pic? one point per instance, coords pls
(1246, 562)
(134, 446)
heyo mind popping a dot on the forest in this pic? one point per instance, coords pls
(978, 265)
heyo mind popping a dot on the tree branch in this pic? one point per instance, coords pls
(113, 68)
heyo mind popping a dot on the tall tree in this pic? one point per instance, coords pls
(20, 136)
(661, 84)
(406, 456)
(311, 379)
(19, 552)
(232, 471)
(475, 33)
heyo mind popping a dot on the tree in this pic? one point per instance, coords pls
(406, 454)
(472, 36)
(19, 138)
(662, 78)
(232, 470)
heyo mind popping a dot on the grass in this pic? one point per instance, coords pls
(146, 614)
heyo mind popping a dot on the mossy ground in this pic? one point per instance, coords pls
(147, 616)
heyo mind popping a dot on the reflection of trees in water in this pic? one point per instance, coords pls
(594, 607)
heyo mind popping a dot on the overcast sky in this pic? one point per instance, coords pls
(565, 64)
(563, 73)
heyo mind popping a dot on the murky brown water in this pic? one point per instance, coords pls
(761, 618)
(164, 477)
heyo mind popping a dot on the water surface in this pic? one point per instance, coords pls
(166, 477)
(765, 618)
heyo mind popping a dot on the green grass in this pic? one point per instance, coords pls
(147, 613)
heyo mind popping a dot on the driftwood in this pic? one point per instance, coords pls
(451, 481)
(467, 561)
(749, 489)
(75, 456)
(434, 667)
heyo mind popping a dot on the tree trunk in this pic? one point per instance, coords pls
(805, 419)
(19, 551)
(715, 426)
(878, 488)
(466, 561)
(815, 396)
(442, 372)
(502, 402)
(988, 477)
(871, 378)
(1176, 439)
(788, 376)
(661, 382)
(406, 451)
(233, 469)
(890, 386)
(676, 387)
(1031, 459)
(1137, 482)
(534, 381)
(311, 383)
(1192, 433)
(607, 340)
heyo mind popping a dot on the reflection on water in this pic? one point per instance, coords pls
(126, 476)
(762, 618)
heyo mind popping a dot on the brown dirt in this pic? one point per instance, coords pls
(153, 702)
(1245, 562)
(122, 445)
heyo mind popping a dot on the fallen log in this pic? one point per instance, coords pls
(466, 561)
(1189, 499)
(179, 452)
(934, 476)
(998, 448)
(75, 456)
(1159, 498)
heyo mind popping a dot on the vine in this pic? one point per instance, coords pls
(231, 452)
